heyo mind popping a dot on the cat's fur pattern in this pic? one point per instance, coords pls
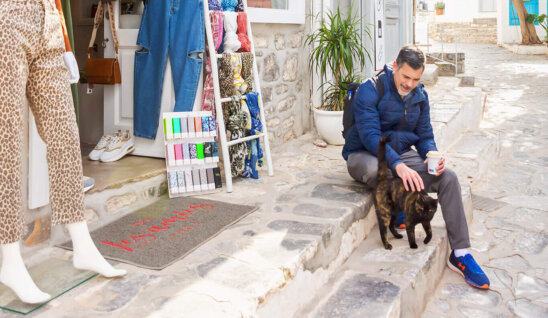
(391, 198)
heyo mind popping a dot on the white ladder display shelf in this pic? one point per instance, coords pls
(218, 101)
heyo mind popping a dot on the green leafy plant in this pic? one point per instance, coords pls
(542, 20)
(439, 5)
(337, 50)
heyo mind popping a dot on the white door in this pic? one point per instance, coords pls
(394, 35)
(118, 99)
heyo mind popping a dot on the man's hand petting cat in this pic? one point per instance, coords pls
(441, 166)
(411, 179)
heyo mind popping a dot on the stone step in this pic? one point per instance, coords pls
(312, 216)
(430, 74)
(448, 69)
(120, 188)
(375, 282)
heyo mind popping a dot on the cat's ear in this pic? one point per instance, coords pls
(437, 201)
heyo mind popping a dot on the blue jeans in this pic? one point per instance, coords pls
(177, 27)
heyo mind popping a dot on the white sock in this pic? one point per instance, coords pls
(86, 255)
(14, 274)
(460, 252)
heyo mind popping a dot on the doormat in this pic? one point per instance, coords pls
(53, 276)
(156, 236)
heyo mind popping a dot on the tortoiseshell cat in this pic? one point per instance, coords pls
(391, 197)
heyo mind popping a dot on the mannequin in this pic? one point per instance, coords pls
(38, 59)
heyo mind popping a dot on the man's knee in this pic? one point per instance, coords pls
(363, 168)
(449, 177)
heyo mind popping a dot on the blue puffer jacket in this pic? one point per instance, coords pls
(374, 120)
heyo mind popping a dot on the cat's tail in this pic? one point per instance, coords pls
(381, 157)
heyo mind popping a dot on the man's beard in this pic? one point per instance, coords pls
(404, 93)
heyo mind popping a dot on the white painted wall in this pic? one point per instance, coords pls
(506, 33)
(460, 11)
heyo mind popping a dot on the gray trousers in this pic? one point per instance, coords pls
(363, 167)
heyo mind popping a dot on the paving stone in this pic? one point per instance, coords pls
(295, 227)
(203, 269)
(321, 211)
(469, 312)
(465, 294)
(499, 279)
(515, 262)
(530, 242)
(292, 244)
(360, 296)
(117, 294)
(340, 192)
(525, 309)
(529, 286)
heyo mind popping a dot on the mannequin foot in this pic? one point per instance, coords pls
(86, 255)
(14, 274)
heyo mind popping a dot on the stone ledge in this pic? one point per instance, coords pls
(538, 49)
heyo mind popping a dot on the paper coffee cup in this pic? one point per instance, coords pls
(433, 161)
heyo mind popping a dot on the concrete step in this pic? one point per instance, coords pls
(375, 282)
(312, 217)
(430, 74)
(448, 69)
(121, 187)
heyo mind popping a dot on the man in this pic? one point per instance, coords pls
(403, 113)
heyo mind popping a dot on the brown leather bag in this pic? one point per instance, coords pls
(103, 70)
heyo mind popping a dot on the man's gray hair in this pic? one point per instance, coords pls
(411, 55)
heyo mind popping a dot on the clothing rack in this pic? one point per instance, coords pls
(218, 101)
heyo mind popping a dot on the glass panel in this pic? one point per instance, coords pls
(131, 12)
(270, 4)
(53, 276)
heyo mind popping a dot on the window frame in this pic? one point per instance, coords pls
(294, 14)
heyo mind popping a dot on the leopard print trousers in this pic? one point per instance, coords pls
(31, 66)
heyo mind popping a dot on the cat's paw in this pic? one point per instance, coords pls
(388, 246)
(414, 245)
(399, 236)
(427, 239)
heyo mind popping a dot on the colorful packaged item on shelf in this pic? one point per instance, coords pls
(181, 181)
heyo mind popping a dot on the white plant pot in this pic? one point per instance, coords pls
(329, 125)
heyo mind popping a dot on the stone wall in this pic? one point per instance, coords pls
(285, 81)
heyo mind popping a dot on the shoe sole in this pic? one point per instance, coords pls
(88, 188)
(456, 270)
(121, 155)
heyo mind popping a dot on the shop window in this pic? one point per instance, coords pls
(268, 4)
(276, 11)
(530, 5)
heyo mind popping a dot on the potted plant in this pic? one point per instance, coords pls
(439, 6)
(337, 52)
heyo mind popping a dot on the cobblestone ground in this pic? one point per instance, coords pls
(509, 232)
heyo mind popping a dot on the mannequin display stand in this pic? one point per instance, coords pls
(40, 45)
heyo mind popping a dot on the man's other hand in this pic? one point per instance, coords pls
(411, 179)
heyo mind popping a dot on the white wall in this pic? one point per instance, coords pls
(460, 11)
(512, 33)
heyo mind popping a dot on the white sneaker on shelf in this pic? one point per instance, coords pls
(102, 145)
(118, 147)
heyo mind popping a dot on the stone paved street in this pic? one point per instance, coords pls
(509, 231)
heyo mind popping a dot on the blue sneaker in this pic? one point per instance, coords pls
(469, 269)
(400, 221)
